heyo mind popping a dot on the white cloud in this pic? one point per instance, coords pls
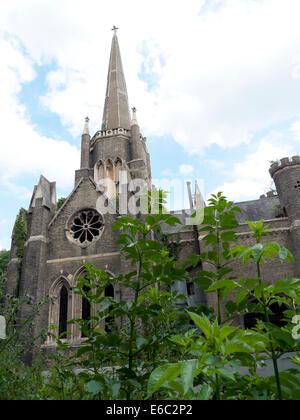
(226, 73)
(251, 177)
(186, 169)
(295, 130)
(22, 150)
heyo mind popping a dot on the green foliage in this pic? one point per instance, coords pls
(138, 328)
(4, 260)
(219, 220)
(17, 380)
(135, 348)
(222, 350)
(20, 231)
(60, 203)
(172, 247)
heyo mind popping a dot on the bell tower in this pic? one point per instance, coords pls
(119, 145)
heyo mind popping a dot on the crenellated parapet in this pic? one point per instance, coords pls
(283, 163)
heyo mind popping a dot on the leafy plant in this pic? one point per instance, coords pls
(139, 327)
(219, 222)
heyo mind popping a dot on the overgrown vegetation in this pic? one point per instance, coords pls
(20, 232)
(60, 203)
(4, 260)
(145, 346)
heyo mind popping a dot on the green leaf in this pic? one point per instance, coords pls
(203, 283)
(205, 393)
(106, 303)
(258, 291)
(237, 346)
(257, 251)
(229, 236)
(231, 306)
(161, 375)
(187, 374)
(141, 341)
(94, 387)
(226, 331)
(115, 389)
(241, 295)
(202, 322)
(223, 284)
(210, 239)
(226, 373)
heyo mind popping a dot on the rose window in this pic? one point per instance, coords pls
(85, 227)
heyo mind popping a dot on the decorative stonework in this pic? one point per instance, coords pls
(85, 227)
(109, 133)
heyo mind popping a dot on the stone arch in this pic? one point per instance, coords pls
(109, 169)
(99, 171)
(60, 307)
(118, 165)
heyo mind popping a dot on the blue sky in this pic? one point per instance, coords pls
(216, 84)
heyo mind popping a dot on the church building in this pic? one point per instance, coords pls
(59, 242)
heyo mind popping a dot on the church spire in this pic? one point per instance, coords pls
(116, 109)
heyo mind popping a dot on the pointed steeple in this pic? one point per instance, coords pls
(116, 109)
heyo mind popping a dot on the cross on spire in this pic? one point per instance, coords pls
(115, 29)
(116, 112)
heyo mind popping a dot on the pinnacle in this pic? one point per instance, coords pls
(134, 119)
(86, 126)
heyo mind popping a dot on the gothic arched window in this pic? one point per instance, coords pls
(99, 171)
(63, 311)
(60, 307)
(118, 168)
(109, 169)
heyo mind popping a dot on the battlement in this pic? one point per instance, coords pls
(283, 163)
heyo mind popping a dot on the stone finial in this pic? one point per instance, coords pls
(134, 119)
(86, 127)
